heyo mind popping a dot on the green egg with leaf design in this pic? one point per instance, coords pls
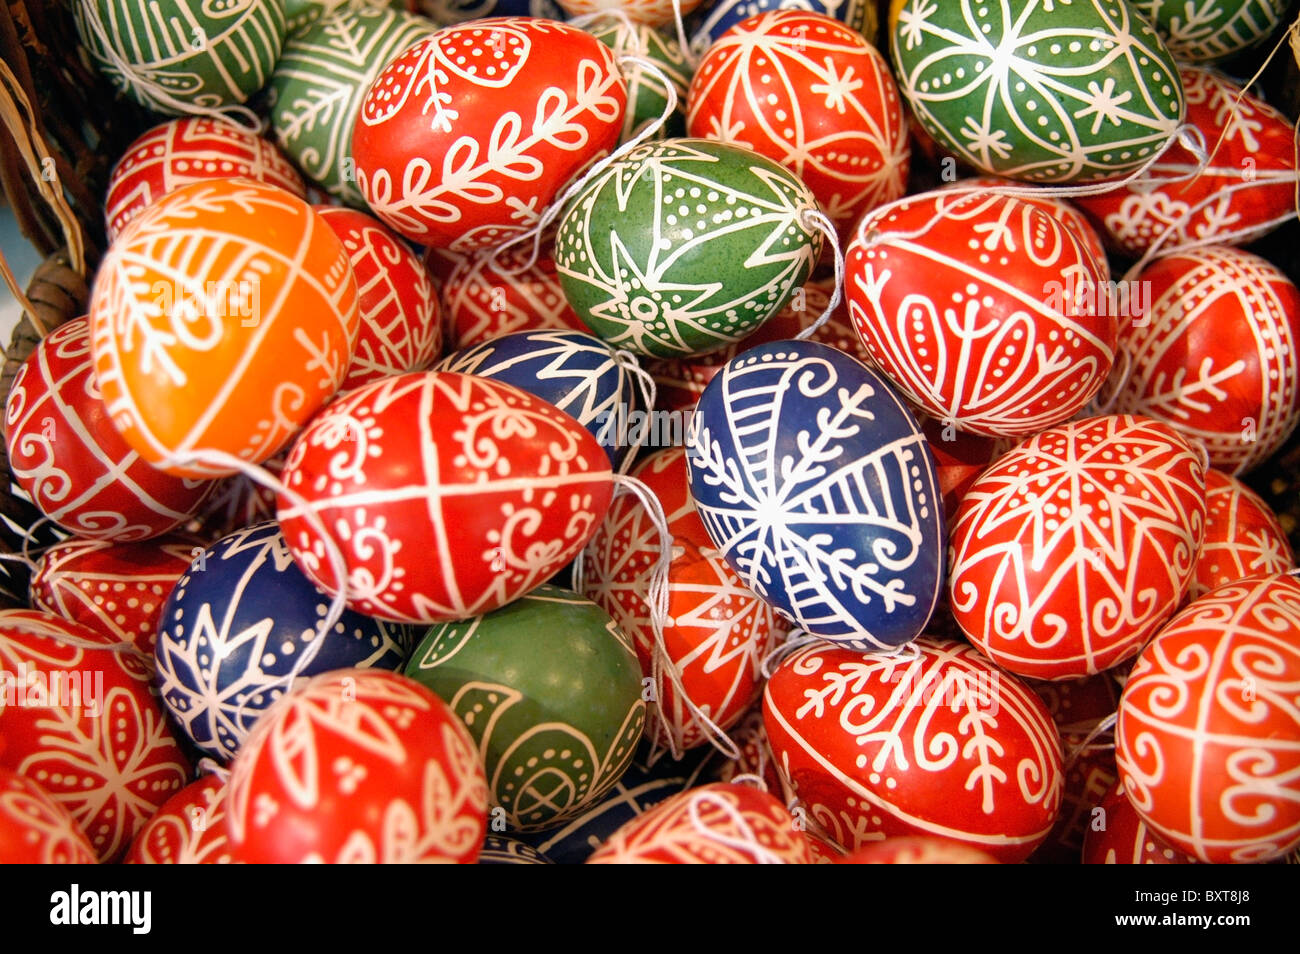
(551, 692)
(683, 246)
(1038, 90)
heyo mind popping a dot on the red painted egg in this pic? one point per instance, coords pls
(468, 135)
(810, 92)
(449, 495)
(221, 319)
(487, 295)
(1217, 353)
(1247, 189)
(84, 728)
(1242, 536)
(716, 824)
(35, 829)
(1117, 835)
(357, 766)
(918, 850)
(189, 150)
(400, 329)
(1075, 547)
(1208, 737)
(932, 741)
(717, 631)
(66, 453)
(189, 829)
(117, 589)
(681, 381)
(983, 309)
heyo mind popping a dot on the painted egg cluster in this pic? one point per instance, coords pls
(886, 455)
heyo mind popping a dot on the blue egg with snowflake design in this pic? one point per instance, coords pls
(647, 782)
(579, 373)
(816, 484)
(712, 19)
(236, 624)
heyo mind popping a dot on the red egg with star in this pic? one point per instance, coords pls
(448, 495)
(467, 136)
(933, 741)
(813, 94)
(357, 766)
(716, 631)
(85, 727)
(35, 829)
(1077, 545)
(1208, 736)
(65, 451)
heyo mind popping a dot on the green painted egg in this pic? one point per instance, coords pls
(318, 85)
(646, 97)
(550, 689)
(302, 13)
(1203, 31)
(685, 246)
(1038, 90)
(174, 56)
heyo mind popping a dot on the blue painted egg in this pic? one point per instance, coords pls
(577, 372)
(639, 789)
(235, 625)
(816, 484)
(712, 19)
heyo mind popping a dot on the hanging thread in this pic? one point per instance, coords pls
(815, 218)
(744, 841)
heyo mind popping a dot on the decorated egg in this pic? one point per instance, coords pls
(1117, 835)
(1216, 353)
(468, 135)
(188, 829)
(221, 319)
(1075, 547)
(549, 689)
(1242, 536)
(357, 766)
(713, 18)
(636, 792)
(35, 829)
(189, 150)
(984, 310)
(578, 373)
(813, 94)
(710, 825)
(814, 482)
(500, 850)
(240, 624)
(681, 381)
(1245, 192)
(715, 631)
(935, 741)
(84, 727)
(178, 56)
(917, 850)
(1206, 32)
(66, 454)
(685, 245)
(400, 329)
(320, 79)
(1208, 727)
(487, 295)
(448, 495)
(647, 97)
(1035, 90)
(116, 588)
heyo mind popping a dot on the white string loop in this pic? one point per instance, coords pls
(1086, 746)
(747, 841)
(645, 384)
(815, 218)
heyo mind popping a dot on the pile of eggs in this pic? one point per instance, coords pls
(535, 439)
